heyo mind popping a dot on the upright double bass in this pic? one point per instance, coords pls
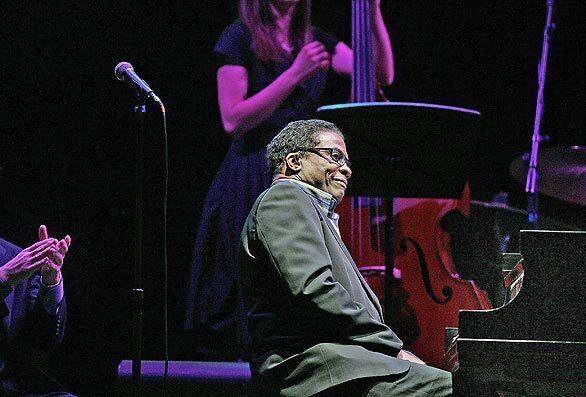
(425, 288)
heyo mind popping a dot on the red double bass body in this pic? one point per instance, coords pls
(435, 291)
(426, 290)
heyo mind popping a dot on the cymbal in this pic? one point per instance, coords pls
(562, 173)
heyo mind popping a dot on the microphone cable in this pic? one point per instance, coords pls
(165, 261)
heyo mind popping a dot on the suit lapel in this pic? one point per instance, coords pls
(365, 286)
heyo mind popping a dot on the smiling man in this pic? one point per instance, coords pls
(317, 327)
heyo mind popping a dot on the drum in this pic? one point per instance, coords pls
(505, 222)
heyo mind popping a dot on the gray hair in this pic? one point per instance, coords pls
(295, 135)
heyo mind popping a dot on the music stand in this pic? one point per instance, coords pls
(405, 149)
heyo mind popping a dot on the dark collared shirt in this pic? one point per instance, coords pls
(325, 201)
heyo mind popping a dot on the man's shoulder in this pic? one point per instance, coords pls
(284, 198)
(283, 189)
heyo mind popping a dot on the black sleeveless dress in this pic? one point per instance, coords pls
(213, 306)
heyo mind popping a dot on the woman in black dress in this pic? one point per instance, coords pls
(275, 67)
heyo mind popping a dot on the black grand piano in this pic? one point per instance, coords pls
(535, 343)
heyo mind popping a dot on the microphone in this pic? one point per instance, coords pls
(125, 72)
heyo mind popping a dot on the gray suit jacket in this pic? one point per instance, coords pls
(314, 321)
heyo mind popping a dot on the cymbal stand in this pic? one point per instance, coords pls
(531, 186)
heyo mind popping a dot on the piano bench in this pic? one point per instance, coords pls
(186, 378)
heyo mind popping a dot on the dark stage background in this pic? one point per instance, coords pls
(67, 133)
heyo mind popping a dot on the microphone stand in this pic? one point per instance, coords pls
(137, 291)
(531, 186)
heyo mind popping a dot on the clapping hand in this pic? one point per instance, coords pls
(45, 255)
(51, 269)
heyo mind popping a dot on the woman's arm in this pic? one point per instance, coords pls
(241, 114)
(385, 65)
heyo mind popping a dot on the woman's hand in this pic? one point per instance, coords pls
(312, 58)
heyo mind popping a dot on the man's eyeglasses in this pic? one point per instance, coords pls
(334, 155)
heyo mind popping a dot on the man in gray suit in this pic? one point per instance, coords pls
(317, 327)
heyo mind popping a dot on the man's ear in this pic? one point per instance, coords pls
(293, 162)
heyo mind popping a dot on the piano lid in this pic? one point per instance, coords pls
(550, 304)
